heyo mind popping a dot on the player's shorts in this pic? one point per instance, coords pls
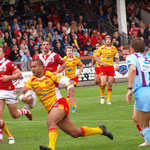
(62, 104)
(10, 97)
(142, 98)
(74, 80)
(107, 71)
(97, 70)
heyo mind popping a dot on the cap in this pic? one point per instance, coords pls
(107, 36)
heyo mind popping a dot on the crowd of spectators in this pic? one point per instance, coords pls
(22, 37)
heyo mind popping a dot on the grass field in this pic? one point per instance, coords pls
(117, 117)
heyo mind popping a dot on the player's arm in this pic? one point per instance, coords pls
(70, 87)
(117, 61)
(16, 75)
(92, 61)
(61, 68)
(131, 76)
(26, 99)
(80, 70)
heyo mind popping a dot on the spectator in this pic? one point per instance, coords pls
(16, 31)
(68, 30)
(22, 50)
(85, 27)
(80, 33)
(49, 28)
(49, 37)
(57, 40)
(36, 52)
(56, 33)
(88, 49)
(14, 42)
(58, 29)
(31, 46)
(14, 55)
(40, 28)
(108, 19)
(66, 41)
(116, 39)
(6, 50)
(15, 22)
(74, 26)
(63, 32)
(141, 33)
(85, 39)
(115, 21)
(148, 41)
(7, 38)
(23, 42)
(147, 31)
(76, 41)
(26, 59)
(96, 38)
(75, 52)
(32, 32)
(40, 35)
(1, 39)
(4, 26)
(133, 31)
(1, 12)
(59, 50)
(11, 33)
(18, 40)
(12, 11)
(142, 23)
(134, 17)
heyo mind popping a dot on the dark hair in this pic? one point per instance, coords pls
(39, 62)
(126, 47)
(138, 44)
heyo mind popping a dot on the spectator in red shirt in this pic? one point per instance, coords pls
(133, 31)
(6, 50)
(16, 31)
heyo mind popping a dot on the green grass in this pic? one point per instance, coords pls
(117, 117)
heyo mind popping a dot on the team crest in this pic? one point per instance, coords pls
(123, 69)
(3, 68)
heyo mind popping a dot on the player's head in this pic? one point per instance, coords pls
(137, 45)
(126, 51)
(97, 45)
(1, 53)
(46, 46)
(69, 51)
(108, 40)
(37, 67)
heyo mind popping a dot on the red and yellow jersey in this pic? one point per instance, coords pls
(71, 66)
(94, 53)
(107, 54)
(46, 88)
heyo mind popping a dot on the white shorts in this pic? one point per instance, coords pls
(10, 97)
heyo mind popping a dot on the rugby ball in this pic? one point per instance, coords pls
(32, 94)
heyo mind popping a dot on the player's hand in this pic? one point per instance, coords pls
(5, 78)
(116, 67)
(28, 99)
(129, 96)
(78, 74)
(104, 64)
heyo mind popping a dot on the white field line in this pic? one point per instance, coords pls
(84, 121)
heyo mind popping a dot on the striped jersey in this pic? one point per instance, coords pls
(46, 88)
(107, 54)
(142, 63)
(94, 53)
(71, 66)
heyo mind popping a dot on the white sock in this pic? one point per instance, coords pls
(22, 111)
(1, 135)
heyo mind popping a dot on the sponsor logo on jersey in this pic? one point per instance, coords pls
(123, 69)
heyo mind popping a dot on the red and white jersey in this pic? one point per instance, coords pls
(7, 67)
(131, 30)
(51, 61)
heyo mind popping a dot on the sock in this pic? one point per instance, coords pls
(22, 111)
(102, 92)
(146, 133)
(53, 133)
(73, 105)
(86, 131)
(5, 129)
(68, 98)
(138, 127)
(109, 93)
(1, 134)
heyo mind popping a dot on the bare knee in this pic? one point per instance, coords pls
(51, 123)
(96, 82)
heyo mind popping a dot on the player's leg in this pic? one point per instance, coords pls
(68, 126)
(3, 126)
(16, 112)
(143, 119)
(110, 80)
(138, 127)
(103, 84)
(54, 117)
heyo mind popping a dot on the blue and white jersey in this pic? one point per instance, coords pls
(142, 63)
